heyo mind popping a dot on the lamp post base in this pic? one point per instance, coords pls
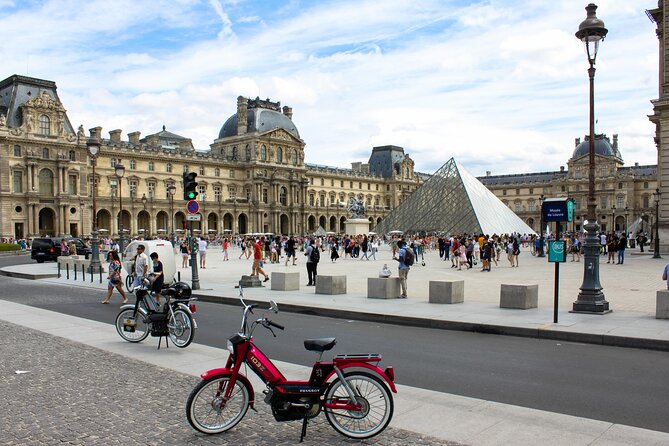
(591, 299)
(94, 266)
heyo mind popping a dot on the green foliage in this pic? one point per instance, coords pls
(9, 247)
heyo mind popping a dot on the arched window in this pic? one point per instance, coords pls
(234, 153)
(72, 155)
(263, 153)
(217, 172)
(293, 157)
(223, 152)
(283, 195)
(247, 153)
(46, 182)
(44, 125)
(279, 155)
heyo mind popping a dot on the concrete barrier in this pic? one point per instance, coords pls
(662, 304)
(330, 284)
(447, 291)
(378, 288)
(519, 296)
(285, 281)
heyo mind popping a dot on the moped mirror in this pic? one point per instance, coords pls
(273, 306)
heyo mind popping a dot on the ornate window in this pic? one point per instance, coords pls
(168, 167)
(531, 205)
(133, 188)
(44, 125)
(283, 195)
(311, 199)
(202, 190)
(322, 181)
(202, 170)
(604, 200)
(646, 201)
(620, 202)
(265, 198)
(217, 172)
(232, 191)
(232, 173)
(217, 193)
(279, 155)
(45, 153)
(263, 153)
(133, 164)
(185, 168)
(248, 194)
(151, 166)
(18, 181)
(17, 150)
(72, 184)
(72, 155)
(46, 182)
(234, 153)
(112, 163)
(517, 206)
(247, 153)
(223, 152)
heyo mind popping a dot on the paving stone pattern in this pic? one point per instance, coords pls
(74, 394)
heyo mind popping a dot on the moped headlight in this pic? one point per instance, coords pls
(231, 348)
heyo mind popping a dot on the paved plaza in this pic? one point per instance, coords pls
(630, 289)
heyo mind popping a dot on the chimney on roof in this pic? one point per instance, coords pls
(96, 132)
(561, 168)
(615, 141)
(636, 164)
(288, 111)
(134, 137)
(242, 115)
(115, 135)
(488, 173)
(577, 141)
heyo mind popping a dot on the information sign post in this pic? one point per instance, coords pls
(193, 208)
(557, 253)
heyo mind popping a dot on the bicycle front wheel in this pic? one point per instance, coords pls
(376, 406)
(180, 327)
(209, 412)
(141, 326)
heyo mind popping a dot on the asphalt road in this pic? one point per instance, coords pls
(626, 386)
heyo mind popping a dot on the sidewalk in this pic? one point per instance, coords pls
(109, 391)
(629, 288)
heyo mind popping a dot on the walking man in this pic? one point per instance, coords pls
(202, 248)
(313, 256)
(403, 268)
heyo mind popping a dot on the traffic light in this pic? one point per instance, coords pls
(190, 186)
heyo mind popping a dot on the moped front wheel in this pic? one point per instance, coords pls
(375, 411)
(141, 328)
(209, 412)
(180, 328)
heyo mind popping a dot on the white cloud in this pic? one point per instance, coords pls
(500, 84)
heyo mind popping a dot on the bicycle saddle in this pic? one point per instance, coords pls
(320, 345)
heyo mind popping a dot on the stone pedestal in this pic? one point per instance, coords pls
(357, 226)
(285, 281)
(379, 288)
(521, 297)
(447, 291)
(662, 305)
(250, 282)
(330, 284)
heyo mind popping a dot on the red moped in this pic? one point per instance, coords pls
(352, 390)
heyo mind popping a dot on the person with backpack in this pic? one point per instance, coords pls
(406, 258)
(313, 255)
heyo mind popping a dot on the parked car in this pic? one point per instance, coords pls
(48, 248)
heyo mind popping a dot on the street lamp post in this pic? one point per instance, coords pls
(119, 170)
(613, 218)
(591, 298)
(93, 146)
(144, 200)
(627, 211)
(656, 197)
(172, 189)
(541, 226)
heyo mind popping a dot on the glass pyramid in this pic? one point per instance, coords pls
(453, 201)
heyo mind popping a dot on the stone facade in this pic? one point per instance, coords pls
(253, 178)
(624, 195)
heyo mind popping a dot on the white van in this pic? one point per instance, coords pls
(165, 255)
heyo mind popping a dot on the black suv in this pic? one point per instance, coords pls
(49, 248)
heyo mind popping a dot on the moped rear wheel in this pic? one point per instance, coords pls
(180, 328)
(141, 327)
(376, 406)
(207, 410)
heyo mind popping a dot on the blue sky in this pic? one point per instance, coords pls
(501, 85)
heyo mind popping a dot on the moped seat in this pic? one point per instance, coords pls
(320, 345)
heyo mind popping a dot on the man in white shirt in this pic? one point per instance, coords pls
(202, 248)
(141, 266)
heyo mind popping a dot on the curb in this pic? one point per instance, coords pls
(539, 333)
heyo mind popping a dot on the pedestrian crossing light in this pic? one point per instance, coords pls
(190, 186)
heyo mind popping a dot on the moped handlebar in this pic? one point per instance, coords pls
(275, 325)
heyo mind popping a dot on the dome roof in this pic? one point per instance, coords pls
(603, 147)
(260, 120)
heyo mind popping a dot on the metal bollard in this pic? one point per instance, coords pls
(67, 271)
(100, 273)
(58, 269)
(178, 276)
(83, 272)
(74, 266)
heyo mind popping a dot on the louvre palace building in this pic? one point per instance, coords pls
(252, 179)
